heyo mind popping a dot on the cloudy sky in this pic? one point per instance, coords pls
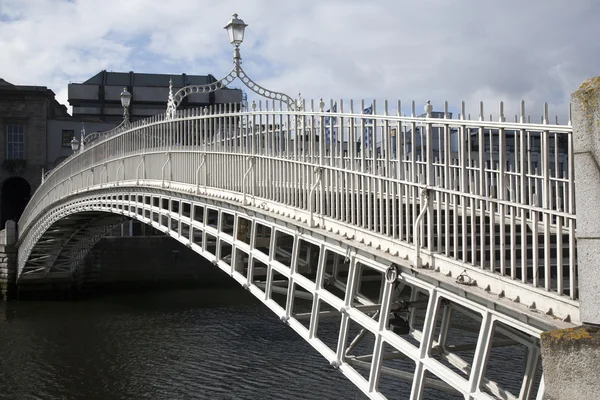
(472, 50)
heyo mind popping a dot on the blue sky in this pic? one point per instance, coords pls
(472, 50)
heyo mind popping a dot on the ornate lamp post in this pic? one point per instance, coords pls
(235, 29)
(125, 101)
(85, 139)
(74, 144)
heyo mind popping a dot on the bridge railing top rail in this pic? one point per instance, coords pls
(314, 117)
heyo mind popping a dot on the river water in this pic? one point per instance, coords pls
(218, 343)
(202, 343)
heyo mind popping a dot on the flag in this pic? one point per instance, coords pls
(368, 130)
(330, 126)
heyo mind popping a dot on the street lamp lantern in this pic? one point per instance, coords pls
(125, 98)
(428, 108)
(74, 144)
(235, 30)
(125, 101)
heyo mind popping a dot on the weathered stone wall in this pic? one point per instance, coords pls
(8, 262)
(31, 110)
(586, 149)
(571, 358)
(8, 272)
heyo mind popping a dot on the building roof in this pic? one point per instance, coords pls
(142, 79)
(5, 83)
(9, 87)
(79, 118)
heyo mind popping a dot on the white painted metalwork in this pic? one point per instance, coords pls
(484, 217)
(477, 235)
(88, 138)
(399, 229)
(349, 287)
(235, 29)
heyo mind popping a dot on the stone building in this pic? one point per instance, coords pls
(60, 132)
(37, 129)
(24, 115)
(100, 96)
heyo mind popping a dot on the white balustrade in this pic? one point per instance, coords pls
(501, 194)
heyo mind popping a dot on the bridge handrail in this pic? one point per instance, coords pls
(380, 157)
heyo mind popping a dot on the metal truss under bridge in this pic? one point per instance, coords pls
(433, 247)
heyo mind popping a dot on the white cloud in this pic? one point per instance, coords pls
(472, 50)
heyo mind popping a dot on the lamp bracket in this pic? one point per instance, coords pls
(86, 139)
(237, 72)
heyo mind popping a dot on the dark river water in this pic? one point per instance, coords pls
(204, 343)
(169, 344)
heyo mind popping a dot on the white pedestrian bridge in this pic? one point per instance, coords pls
(435, 246)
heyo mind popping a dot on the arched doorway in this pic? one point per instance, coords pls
(16, 192)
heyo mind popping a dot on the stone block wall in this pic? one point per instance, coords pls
(8, 261)
(570, 357)
(31, 110)
(31, 107)
(586, 154)
(8, 272)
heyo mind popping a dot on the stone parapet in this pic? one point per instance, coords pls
(8, 261)
(8, 272)
(586, 151)
(570, 358)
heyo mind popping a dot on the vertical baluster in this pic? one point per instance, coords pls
(545, 171)
(386, 138)
(501, 191)
(414, 192)
(329, 176)
(523, 196)
(374, 181)
(513, 220)
(344, 185)
(446, 154)
(363, 188)
(465, 147)
(430, 176)
(310, 159)
(352, 148)
(259, 166)
(397, 185)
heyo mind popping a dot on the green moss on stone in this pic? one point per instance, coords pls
(571, 335)
(589, 94)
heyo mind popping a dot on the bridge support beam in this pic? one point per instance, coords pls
(8, 261)
(571, 357)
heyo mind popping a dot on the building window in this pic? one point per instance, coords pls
(67, 136)
(15, 142)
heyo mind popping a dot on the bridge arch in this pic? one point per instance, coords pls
(289, 215)
(307, 277)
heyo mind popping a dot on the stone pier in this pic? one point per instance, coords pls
(571, 357)
(8, 261)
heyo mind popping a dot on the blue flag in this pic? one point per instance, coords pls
(368, 130)
(330, 124)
